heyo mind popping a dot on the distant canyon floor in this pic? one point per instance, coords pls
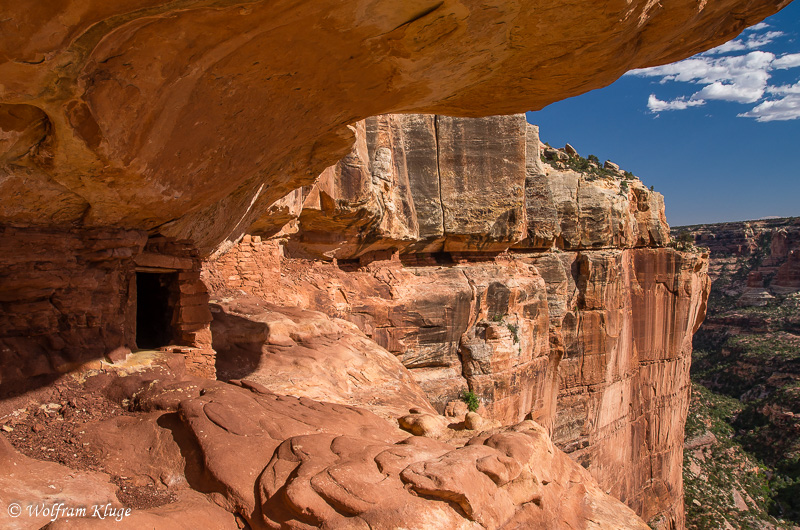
(742, 456)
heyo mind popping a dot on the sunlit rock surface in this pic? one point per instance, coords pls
(585, 326)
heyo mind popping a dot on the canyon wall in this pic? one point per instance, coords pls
(762, 257)
(558, 301)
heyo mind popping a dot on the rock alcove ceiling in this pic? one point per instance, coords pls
(188, 118)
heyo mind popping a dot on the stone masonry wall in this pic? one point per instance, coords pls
(63, 297)
(69, 298)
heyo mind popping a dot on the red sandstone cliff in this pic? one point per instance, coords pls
(585, 327)
(123, 122)
(557, 303)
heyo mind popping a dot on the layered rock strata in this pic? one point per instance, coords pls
(421, 184)
(766, 253)
(585, 326)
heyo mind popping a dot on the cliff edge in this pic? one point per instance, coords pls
(559, 301)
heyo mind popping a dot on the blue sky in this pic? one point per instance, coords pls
(718, 134)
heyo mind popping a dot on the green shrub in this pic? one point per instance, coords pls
(514, 329)
(684, 241)
(471, 399)
(591, 172)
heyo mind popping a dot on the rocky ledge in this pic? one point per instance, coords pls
(271, 461)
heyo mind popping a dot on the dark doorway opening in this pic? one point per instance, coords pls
(154, 309)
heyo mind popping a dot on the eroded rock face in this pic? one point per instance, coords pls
(190, 119)
(423, 184)
(230, 454)
(480, 326)
(623, 333)
(584, 326)
(576, 211)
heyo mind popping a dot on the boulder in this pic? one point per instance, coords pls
(423, 424)
(571, 150)
(473, 421)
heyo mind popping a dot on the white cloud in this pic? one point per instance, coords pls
(740, 78)
(785, 108)
(757, 27)
(747, 90)
(789, 60)
(656, 105)
(785, 89)
(707, 70)
(751, 42)
(726, 76)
